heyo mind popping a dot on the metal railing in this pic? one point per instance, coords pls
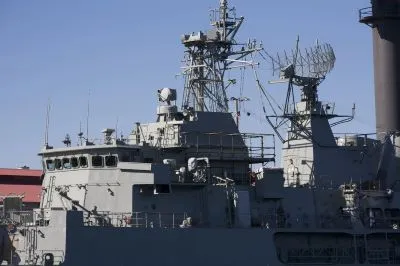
(137, 219)
(364, 13)
(25, 218)
(369, 15)
(275, 218)
(238, 145)
(354, 139)
(240, 178)
(321, 255)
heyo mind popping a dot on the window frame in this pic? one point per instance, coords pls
(65, 160)
(115, 160)
(80, 161)
(47, 164)
(97, 156)
(60, 165)
(77, 162)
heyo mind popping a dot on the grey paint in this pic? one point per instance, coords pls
(334, 210)
(386, 49)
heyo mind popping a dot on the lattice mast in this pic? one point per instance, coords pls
(208, 56)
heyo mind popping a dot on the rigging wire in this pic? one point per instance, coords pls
(262, 90)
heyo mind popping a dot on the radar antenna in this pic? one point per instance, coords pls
(306, 70)
(207, 57)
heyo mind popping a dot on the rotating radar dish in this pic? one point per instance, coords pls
(304, 68)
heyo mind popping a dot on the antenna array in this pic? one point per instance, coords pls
(208, 56)
(312, 64)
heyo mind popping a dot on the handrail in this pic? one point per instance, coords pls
(25, 218)
(136, 219)
(368, 15)
(364, 13)
(231, 144)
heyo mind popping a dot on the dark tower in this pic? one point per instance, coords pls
(384, 18)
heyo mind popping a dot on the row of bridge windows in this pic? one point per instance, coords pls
(81, 162)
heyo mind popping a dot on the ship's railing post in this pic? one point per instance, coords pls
(159, 219)
(145, 215)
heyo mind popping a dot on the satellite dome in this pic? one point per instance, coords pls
(167, 95)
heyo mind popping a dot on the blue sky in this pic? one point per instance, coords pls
(123, 51)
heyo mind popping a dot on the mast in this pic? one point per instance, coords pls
(208, 56)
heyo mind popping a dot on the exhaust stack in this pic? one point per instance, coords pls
(384, 19)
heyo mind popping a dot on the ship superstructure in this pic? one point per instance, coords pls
(191, 188)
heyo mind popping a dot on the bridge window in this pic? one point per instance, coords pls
(50, 165)
(97, 161)
(58, 164)
(129, 156)
(74, 162)
(66, 163)
(111, 161)
(83, 161)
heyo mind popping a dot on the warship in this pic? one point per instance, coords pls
(191, 189)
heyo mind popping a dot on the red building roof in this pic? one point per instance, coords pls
(21, 182)
(31, 193)
(20, 172)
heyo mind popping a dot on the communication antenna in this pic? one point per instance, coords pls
(80, 134)
(116, 129)
(87, 119)
(209, 55)
(46, 132)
